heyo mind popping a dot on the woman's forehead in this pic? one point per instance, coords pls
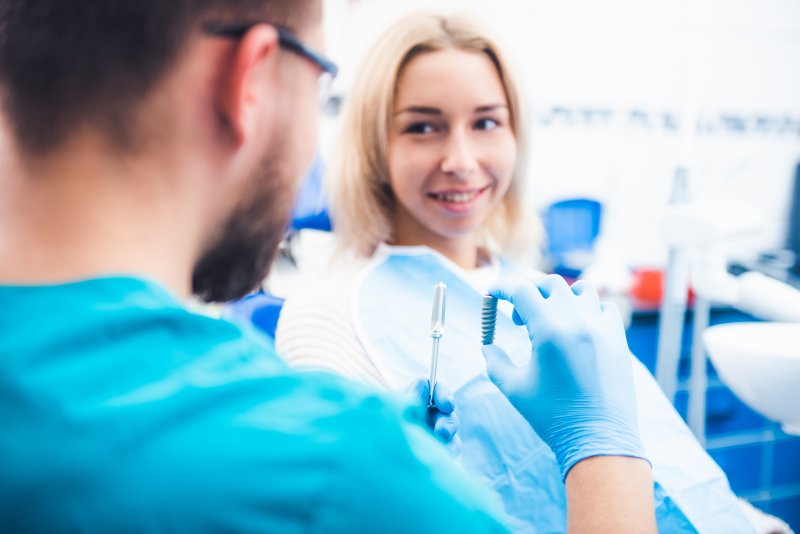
(450, 78)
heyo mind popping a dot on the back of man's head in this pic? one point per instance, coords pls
(68, 64)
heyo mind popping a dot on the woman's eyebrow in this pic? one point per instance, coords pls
(426, 110)
(420, 109)
(490, 107)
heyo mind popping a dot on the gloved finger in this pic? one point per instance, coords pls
(612, 320)
(552, 284)
(587, 295)
(519, 321)
(527, 300)
(455, 446)
(443, 398)
(418, 391)
(609, 308)
(415, 395)
(581, 287)
(614, 327)
(446, 427)
(500, 368)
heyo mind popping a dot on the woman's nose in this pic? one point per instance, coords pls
(459, 157)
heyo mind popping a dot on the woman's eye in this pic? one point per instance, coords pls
(486, 124)
(420, 128)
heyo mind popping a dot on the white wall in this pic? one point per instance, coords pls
(613, 85)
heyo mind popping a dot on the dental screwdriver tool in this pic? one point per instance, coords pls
(437, 329)
(488, 319)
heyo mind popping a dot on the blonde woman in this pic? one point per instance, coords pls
(427, 188)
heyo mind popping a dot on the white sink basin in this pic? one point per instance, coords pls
(760, 363)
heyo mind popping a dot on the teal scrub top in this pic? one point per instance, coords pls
(122, 411)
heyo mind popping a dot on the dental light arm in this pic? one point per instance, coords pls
(752, 292)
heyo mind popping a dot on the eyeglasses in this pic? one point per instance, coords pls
(287, 40)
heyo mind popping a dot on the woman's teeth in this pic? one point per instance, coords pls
(455, 197)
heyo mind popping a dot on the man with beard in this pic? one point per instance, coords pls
(151, 149)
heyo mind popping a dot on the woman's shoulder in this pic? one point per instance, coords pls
(313, 268)
(336, 283)
(316, 329)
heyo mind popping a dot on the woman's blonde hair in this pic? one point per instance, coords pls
(362, 202)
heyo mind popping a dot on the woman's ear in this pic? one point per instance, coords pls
(244, 86)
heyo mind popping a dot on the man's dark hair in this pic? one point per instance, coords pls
(70, 63)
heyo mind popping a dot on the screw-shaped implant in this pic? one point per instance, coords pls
(488, 319)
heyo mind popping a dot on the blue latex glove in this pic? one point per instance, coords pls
(441, 418)
(576, 391)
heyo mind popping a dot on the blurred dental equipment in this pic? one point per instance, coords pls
(488, 319)
(696, 235)
(760, 362)
(437, 329)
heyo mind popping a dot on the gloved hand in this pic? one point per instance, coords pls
(576, 391)
(441, 418)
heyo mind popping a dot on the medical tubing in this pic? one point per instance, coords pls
(488, 319)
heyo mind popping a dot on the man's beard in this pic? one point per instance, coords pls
(240, 258)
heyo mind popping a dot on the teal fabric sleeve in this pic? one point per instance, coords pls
(124, 412)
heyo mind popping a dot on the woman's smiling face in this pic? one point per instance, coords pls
(452, 151)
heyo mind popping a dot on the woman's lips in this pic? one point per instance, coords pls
(458, 200)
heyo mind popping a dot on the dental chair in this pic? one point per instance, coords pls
(572, 226)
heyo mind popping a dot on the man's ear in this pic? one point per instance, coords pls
(243, 83)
